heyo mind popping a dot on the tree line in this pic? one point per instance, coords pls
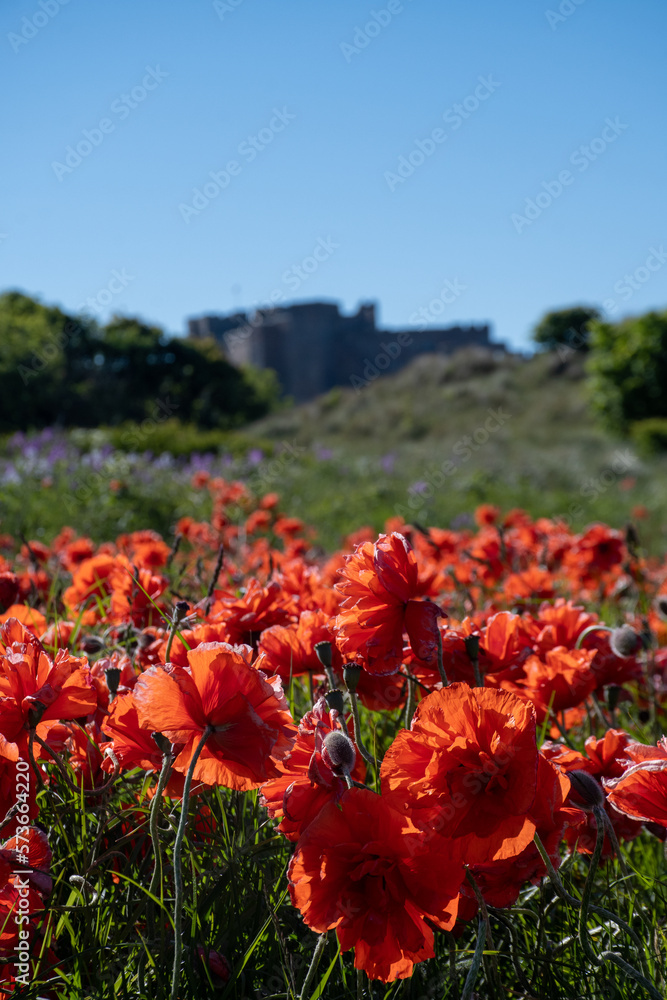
(69, 371)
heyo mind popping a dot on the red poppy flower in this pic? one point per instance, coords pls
(468, 765)
(605, 760)
(289, 650)
(252, 725)
(641, 791)
(363, 869)
(36, 690)
(380, 586)
(255, 610)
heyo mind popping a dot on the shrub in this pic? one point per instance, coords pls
(650, 435)
(628, 370)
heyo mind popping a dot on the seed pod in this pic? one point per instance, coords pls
(624, 641)
(323, 653)
(351, 675)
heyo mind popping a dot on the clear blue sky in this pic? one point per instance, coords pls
(328, 173)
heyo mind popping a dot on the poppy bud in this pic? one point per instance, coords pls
(624, 641)
(351, 675)
(338, 752)
(112, 675)
(92, 644)
(163, 744)
(35, 713)
(661, 605)
(323, 653)
(181, 609)
(471, 643)
(586, 788)
(334, 700)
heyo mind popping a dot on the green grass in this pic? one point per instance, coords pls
(400, 446)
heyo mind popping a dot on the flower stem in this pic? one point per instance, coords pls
(312, 968)
(357, 729)
(473, 972)
(178, 874)
(588, 889)
(441, 664)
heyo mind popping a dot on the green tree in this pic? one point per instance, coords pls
(568, 328)
(62, 369)
(628, 369)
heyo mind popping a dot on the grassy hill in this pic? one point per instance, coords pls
(447, 433)
(429, 443)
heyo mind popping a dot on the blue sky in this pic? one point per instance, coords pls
(332, 97)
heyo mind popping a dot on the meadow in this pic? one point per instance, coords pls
(299, 711)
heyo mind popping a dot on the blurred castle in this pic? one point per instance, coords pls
(312, 347)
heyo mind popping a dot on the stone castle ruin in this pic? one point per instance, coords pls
(312, 347)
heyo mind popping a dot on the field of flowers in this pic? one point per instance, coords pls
(430, 765)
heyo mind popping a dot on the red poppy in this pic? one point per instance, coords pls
(641, 791)
(289, 650)
(252, 725)
(36, 690)
(605, 760)
(362, 868)
(468, 765)
(380, 586)
(255, 610)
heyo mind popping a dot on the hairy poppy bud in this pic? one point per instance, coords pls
(323, 653)
(624, 641)
(112, 675)
(92, 644)
(471, 643)
(351, 675)
(586, 788)
(181, 609)
(338, 752)
(334, 700)
(163, 744)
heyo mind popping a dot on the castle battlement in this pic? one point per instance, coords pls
(313, 347)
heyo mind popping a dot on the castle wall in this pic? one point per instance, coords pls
(312, 347)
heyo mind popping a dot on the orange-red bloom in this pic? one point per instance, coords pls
(468, 767)
(641, 792)
(251, 722)
(363, 869)
(380, 585)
